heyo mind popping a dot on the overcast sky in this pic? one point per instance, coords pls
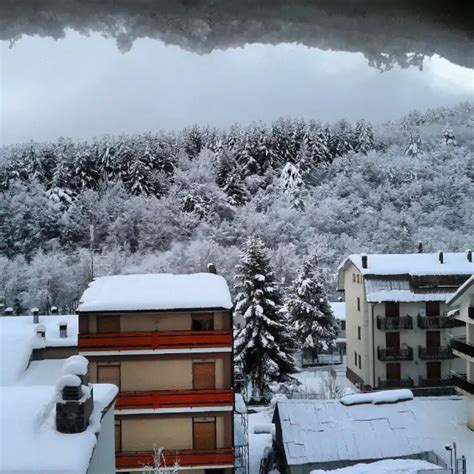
(81, 87)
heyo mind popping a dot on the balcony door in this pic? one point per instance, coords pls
(393, 371)
(433, 339)
(392, 309)
(107, 324)
(433, 370)
(392, 340)
(204, 433)
(204, 375)
(432, 308)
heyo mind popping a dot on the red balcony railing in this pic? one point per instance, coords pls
(124, 341)
(185, 457)
(174, 399)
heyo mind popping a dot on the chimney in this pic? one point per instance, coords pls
(8, 311)
(420, 247)
(469, 255)
(365, 262)
(62, 330)
(74, 404)
(54, 310)
(35, 313)
(41, 330)
(441, 257)
(211, 268)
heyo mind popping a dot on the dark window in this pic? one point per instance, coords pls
(355, 359)
(432, 308)
(471, 312)
(357, 277)
(392, 309)
(358, 333)
(358, 304)
(353, 277)
(118, 436)
(392, 339)
(393, 371)
(433, 370)
(360, 362)
(433, 339)
(202, 322)
(343, 325)
(83, 324)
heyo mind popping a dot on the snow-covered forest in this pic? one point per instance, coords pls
(176, 201)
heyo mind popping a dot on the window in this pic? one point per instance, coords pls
(83, 324)
(360, 362)
(355, 359)
(202, 322)
(118, 436)
(432, 308)
(357, 278)
(358, 304)
(359, 333)
(343, 325)
(354, 277)
(392, 309)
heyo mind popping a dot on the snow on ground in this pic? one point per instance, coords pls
(258, 442)
(156, 291)
(387, 466)
(29, 441)
(18, 338)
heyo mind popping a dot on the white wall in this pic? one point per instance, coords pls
(103, 457)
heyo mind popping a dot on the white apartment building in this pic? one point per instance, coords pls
(397, 325)
(463, 304)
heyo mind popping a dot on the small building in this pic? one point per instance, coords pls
(462, 303)
(397, 323)
(166, 342)
(339, 310)
(329, 434)
(52, 419)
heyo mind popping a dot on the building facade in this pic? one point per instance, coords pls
(171, 358)
(463, 304)
(397, 325)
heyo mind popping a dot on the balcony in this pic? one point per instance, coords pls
(388, 354)
(460, 345)
(435, 353)
(437, 322)
(174, 399)
(435, 382)
(126, 341)
(395, 383)
(394, 323)
(461, 382)
(185, 457)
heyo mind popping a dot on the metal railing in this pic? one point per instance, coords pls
(395, 383)
(389, 323)
(459, 344)
(394, 353)
(461, 381)
(435, 382)
(434, 322)
(434, 353)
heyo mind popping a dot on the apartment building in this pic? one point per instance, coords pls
(397, 324)
(166, 342)
(462, 303)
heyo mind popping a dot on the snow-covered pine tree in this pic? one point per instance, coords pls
(414, 148)
(292, 183)
(264, 346)
(309, 310)
(364, 137)
(448, 136)
(236, 190)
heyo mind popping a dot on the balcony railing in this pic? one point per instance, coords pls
(396, 383)
(123, 341)
(435, 353)
(394, 323)
(459, 344)
(460, 380)
(435, 382)
(185, 458)
(437, 322)
(174, 399)
(395, 353)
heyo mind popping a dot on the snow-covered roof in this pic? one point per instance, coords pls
(156, 292)
(467, 286)
(367, 431)
(414, 264)
(339, 310)
(378, 290)
(29, 440)
(18, 339)
(387, 466)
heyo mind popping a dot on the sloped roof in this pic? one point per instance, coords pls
(325, 431)
(159, 291)
(468, 285)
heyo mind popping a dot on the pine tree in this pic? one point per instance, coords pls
(310, 311)
(414, 148)
(264, 346)
(236, 190)
(364, 137)
(448, 137)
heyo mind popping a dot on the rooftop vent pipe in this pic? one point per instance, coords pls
(35, 313)
(420, 247)
(211, 268)
(54, 310)
(365, 262)
(469, 255)
(441, 257)
(8, 311)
